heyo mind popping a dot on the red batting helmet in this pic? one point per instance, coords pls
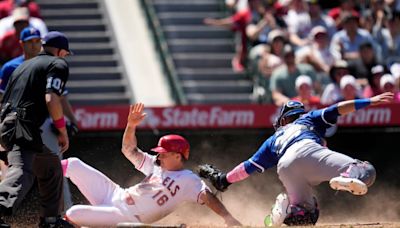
(173, 143)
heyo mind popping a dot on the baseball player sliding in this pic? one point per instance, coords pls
(167, 184)
(302, 161)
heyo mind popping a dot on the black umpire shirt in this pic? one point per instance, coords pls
(29, 84)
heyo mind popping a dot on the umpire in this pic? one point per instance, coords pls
(32, 94)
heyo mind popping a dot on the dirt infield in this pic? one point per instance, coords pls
(250, 200)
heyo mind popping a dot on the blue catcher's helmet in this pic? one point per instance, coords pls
(290, 108)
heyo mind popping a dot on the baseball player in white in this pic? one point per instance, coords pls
(166, 186)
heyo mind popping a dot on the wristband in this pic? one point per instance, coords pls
(224, 181)
(361, 103)
(60, 123)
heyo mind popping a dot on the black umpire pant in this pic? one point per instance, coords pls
(24, 165)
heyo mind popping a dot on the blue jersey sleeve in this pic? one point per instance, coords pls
(324, 118)
(5, 74)
(7, 70)
(330, 114)
(263, 159)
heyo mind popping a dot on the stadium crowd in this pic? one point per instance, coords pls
(317, 52)
(15, 15)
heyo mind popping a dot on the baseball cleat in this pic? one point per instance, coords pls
(352, 185)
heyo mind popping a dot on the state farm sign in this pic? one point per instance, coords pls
(210, 117)
(89, 119)
(218, 117)
(371, 116)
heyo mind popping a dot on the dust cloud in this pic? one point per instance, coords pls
(251, 200)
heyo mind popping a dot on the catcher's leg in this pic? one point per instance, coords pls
(356, 179)
(301, 208)
(283, 212)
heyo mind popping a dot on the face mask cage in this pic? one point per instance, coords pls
(288, 109)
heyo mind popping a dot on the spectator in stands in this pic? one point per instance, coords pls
(389, 38)
(362, 66)
(9, 43)
(379, 11)
(236, 23)
(7, 6)
(7, 23)
(332, 93)
(317, 54)
(236, 5)
(395, 71)
(305, 93)
(393, 5)
(319, 18)
(349, 88)
(345, 43)
(387, 84)
(272, 57)
(263, 21)
(345, 7)
(269, 60)
(299, 23)
(374, 79)
(282, 82)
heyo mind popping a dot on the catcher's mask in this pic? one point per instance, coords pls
(173, 143)
(289, 109)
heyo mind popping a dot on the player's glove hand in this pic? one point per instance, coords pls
(72, 129)
(215, 176)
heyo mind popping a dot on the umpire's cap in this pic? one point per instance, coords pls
(290, 108)
(173, 143)
(56, 39)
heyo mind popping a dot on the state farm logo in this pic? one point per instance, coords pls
(96, 119)
(212, 117)
(367, 116)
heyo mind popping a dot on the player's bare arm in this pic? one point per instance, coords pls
(56, 113)
(214, 204)
(346, 107)
(129, 142)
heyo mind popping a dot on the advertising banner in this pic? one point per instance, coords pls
(103, 118)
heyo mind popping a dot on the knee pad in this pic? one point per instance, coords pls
(363, 171)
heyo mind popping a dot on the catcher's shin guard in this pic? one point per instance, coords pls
(356, 180)
(292, 215)
(280, 210)
(299, 216)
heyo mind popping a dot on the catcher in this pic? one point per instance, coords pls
(302, 161)
(166, 186)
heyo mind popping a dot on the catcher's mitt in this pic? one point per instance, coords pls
(215, 176)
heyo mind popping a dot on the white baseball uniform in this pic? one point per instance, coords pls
(160, 193)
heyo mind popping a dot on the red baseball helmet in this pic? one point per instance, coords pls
(173, 143)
